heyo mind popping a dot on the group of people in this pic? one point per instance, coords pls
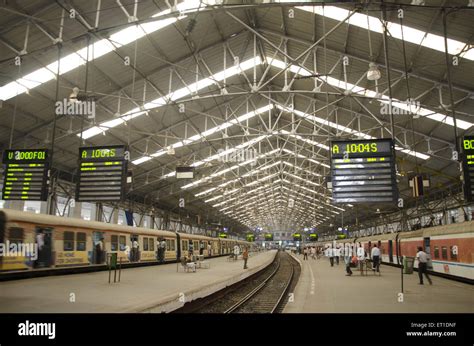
(358, 258)
(314, 252)
(245, 254)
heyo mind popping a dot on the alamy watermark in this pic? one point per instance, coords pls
(9, 249)
(239, 155)
(408, 107)
(76, 108)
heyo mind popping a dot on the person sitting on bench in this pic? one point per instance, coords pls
(188, 264)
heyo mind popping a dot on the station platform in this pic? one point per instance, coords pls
(325, 289)
(145, 289)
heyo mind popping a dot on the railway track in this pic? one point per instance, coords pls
(265, 292)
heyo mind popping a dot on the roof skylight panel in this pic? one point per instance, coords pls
(383, 98)
(96, 50)
(412, 35)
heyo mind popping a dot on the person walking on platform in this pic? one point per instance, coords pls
(375, 258)
(422, 258)
(305, 253)
(245, 256)
(348, 260)
(337, 253)
(236, 252)
(313, 252)
(331, 256)
(209, 249)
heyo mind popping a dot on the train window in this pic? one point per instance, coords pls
(454, 256)
(114, 242)
(444, 252)
(436, 252)
(145, 244)
(68, 244)
(80, 241)
(170, 244)
(185, 245)
(122, 242)
(196, 246)
(151, 244)
(16, 235)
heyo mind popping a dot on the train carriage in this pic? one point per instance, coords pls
(450, 248)
(57, 242)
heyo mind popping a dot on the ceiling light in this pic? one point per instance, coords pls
(373, 73)
(73, 95)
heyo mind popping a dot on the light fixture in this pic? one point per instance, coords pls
(373, 73)
(73, 95)
(171, 151)
(418, 2)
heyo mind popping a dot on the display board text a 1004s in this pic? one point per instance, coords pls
(363, 171)
(102, 173)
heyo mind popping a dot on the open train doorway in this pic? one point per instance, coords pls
(44, 241)
(427, 248)
(390, 251)
(98, 249)
(135, 254)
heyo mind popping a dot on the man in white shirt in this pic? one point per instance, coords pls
(236, 252)
(422, 258)
(135, 250)
(375, 258)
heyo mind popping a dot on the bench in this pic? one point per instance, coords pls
(204, 264)
(368, 266)
(188, 267)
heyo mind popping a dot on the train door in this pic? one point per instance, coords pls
(427, 247)
(135, 254)
(178, 246)
(44, 241)
(98, 248)
(390, 251)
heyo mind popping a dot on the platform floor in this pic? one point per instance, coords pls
(144, 289)
(325, 289)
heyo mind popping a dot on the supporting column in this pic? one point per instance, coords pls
(461, 215)
(43, 207)
(76, 210)
(149, 221)
(115, 215)
(94, 212)
(141, 220)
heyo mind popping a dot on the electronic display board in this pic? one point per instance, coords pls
(363, 171)
(250, 237)
(313, 236)
(184, 172)
(269, 236)
(26, 174)
(102, 173)
(296, 236)
(222, 235)
(468, 167)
